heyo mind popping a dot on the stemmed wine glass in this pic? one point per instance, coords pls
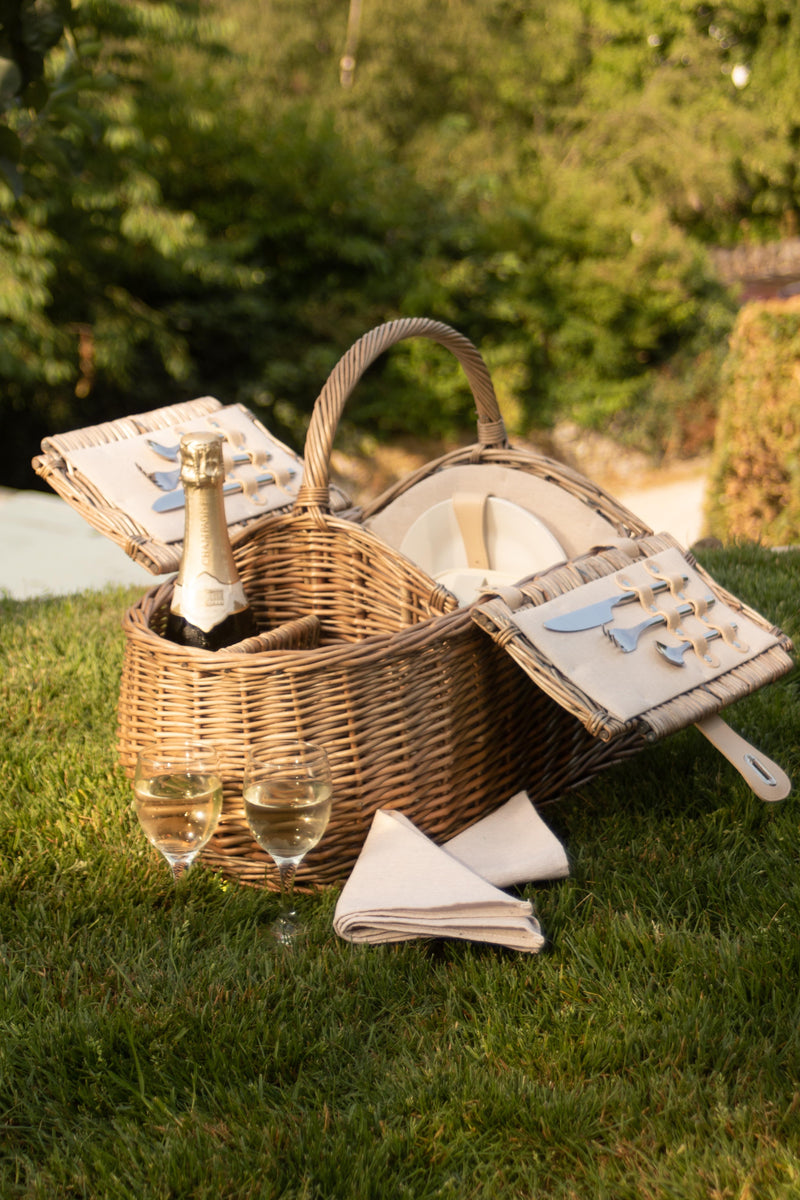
(177, 789)
(287, 797)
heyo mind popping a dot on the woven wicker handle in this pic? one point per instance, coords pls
(314, 492)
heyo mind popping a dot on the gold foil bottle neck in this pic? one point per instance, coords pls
(201, 458)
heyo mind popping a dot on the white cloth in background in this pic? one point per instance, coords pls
(404, 886)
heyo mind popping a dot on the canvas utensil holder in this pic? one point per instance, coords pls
(102, 472)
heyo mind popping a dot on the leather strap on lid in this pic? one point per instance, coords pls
(470, 509)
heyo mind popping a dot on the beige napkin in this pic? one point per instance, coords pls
(511, 845)
(404, 886)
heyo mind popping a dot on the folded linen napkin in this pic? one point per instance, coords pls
(511, 845)
(404, 886)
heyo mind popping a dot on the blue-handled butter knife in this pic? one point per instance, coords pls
(598, 613)
(175, 499)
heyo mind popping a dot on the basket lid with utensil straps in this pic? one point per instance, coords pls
(641, 636)
(123, 476)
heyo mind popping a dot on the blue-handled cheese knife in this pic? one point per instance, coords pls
(598, 613)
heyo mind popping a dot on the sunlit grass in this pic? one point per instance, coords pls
(154, 1044)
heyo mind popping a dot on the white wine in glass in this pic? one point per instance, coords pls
(287, 797)
(177, 791)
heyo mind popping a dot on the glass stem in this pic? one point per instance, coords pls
(286, 871)
(179, 869)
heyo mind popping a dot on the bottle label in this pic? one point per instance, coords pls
(208, 602)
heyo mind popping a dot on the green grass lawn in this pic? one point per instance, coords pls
(154, 1043)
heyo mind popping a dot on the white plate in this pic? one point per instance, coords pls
(517, 544)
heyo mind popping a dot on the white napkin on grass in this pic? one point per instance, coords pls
(511, 845)
(404, 886)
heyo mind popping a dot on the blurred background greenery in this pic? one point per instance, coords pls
(219, 196)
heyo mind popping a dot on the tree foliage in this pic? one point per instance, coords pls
(195, 197)
(82, 215)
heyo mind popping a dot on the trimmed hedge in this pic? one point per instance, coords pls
(754, 488)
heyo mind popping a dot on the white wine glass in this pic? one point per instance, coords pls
(177, 789)
(287, 797)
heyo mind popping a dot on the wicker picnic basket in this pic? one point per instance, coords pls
(417, 708)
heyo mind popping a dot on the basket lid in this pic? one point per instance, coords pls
(108, 473)
(691, 649)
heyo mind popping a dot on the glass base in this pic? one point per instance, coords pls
(285, 928)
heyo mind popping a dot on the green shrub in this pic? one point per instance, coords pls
(754, 491)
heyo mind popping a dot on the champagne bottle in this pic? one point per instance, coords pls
(209, 608)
